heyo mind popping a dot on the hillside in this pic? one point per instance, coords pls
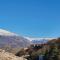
(12, 42)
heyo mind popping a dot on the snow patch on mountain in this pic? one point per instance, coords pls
(6, 33)
(38, 38)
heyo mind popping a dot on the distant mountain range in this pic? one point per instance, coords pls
(42, 41)
(39, 40)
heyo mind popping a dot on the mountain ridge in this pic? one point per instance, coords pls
(10, 41)
(7, 33)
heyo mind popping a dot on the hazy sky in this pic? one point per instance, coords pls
(34, 18)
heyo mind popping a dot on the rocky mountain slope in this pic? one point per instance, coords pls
(11, 41)
(9, 56)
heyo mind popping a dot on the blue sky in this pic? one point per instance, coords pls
(33, 18)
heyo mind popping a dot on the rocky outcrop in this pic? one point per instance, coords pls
(9, 56)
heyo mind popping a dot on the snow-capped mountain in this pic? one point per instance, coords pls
(9, 40)
(39, 40)
(7, 33)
